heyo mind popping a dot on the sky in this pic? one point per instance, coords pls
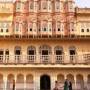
(79, 3)
(82, 3)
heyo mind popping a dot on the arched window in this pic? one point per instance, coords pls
(71, 26)
(49, 5)
(58, 26)
(30, 27)
(72, 50)
(71, 78)
(72, 54)
(10, 78)
(20, 81)
(17, 27)
(57, 5)
(79, 82)
(44, 26)
(31, 54)
(18, 6)
(60, 79)
(29, 78)
(44, 5)
(7, 52)
(30, 82)
(31, 5)
(20, 78)
(45, 50)
(58, 50)
(58, 54)
(31, 50)
(17, 50)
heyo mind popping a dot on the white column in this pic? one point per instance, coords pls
(24, 82)
(75, 82)
(15, 78)
(53, 79)
(24, 55)
(37, 55)
(53, 56)
(36, 82)
(65, 77)
(5, 82)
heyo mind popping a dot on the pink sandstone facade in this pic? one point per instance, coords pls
(42, 41)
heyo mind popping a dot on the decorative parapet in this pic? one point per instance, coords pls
(83, 11)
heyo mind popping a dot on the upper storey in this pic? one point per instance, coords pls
(43, 18)
(44, 6)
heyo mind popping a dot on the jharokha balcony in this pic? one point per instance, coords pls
(45, 59)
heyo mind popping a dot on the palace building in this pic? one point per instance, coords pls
(43, 41)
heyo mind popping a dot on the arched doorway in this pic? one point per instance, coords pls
(45, 83)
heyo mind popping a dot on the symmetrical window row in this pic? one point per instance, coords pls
(43, 50)
(85, 30)
(85, 27)
(44, 26)
(44, 5)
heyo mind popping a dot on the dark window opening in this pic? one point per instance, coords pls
(58, 52)
(1, 30)
(82, 30)
(7, 53)
(44, 52)
(17, 52)
(6, 30)
(58, 29)
(1, 52)
(45, 29)
(87, 30)
(49, 29)
(30, 29)
(45, 83)
(72, 52)
(39, 30)
(72, 29)
(31, 52)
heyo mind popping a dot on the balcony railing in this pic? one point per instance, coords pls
(31, 58)
(42, 35)
(45, 59)
(59, 59)
(31, 86)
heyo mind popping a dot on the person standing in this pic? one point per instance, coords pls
(70, 85)
(66, 86)
(56, 85)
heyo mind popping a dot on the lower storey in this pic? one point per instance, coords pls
(43, 78)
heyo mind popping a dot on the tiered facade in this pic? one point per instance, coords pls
(42, 41)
